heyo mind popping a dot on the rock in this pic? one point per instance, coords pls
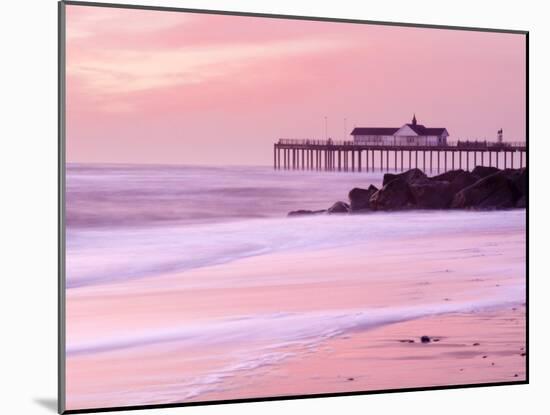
(463, 180)
(393, 196)
(496, 191)
(409, 176)
(475, 344)
(519, 177)
(483, 188)
(429, 194)
(359, 198)
(448, 176)
(482, 171)
(425, 339)
(522, 202)
(339, 207)
(459, 179)
(303, 212)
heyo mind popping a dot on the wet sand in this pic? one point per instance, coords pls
(464, 349)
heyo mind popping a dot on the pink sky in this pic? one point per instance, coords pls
(166, 87)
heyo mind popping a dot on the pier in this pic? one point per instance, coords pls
(349, 156)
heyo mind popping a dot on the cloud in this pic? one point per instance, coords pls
(90, 23)
(134, 70)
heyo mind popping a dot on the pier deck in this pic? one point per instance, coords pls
(329, 155)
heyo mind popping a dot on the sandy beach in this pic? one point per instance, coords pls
(311, 321)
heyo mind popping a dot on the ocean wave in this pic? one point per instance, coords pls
(104, 256)
(283, 329)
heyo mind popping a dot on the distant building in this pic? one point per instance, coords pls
(409, 134)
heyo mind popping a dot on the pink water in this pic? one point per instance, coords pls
(178, 304)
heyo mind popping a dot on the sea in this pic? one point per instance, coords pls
(150, 247)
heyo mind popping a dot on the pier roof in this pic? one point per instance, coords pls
(421, 130)
(417, 128)
(374, 131)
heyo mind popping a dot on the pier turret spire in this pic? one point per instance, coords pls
(414, 119)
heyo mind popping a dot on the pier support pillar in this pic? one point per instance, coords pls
(521, 159)
(424, 161)
(289, 157)
(345, 160)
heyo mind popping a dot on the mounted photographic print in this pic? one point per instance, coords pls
(258, 207)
